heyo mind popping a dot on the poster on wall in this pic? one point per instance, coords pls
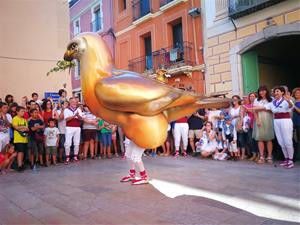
(53, 95)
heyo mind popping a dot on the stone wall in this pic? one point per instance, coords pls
(218, 68)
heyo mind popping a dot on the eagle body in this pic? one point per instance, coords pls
(140, 105)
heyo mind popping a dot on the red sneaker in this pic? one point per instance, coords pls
(184, 153)
(289, 165)
(284, 163)
(142, 180)
(176, 154)
(130, 177)
(67, 160)
(75, 158)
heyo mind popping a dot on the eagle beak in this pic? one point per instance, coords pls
(68, 56)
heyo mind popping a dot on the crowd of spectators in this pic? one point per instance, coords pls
(40, 133)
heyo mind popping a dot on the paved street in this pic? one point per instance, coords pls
(182, 191)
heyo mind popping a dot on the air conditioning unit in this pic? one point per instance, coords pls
(194, 12)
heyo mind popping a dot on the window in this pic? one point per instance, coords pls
(77, 70)
(76, 26)
(140, 8)
(177, 35)
(148, 52)
(122, 5)
(96, 24)
(144, 7)
(176, 53)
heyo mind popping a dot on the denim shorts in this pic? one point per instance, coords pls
(105, 139)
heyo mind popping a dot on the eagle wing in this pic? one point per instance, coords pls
(131, 92)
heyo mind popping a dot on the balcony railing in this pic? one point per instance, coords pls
(164, 2)
(239, 8)
(140, 8)
(96, 24)
(169, 58)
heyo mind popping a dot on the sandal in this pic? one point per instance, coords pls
(269, 160)
(261, 161)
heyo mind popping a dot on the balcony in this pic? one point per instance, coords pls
(96, 24)
(164, 2)
(140, 8)
(239, 8)
(141, 64)
(171, 58)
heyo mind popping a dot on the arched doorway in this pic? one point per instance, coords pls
(271, 63)
(270, 57)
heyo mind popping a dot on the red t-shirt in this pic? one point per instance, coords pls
(182, 120)
(47, 115)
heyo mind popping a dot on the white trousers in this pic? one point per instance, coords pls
(72, 133)
(181, 130)
(4, 140)
(284, 134)
(132, 151)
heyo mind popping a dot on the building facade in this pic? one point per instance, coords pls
(251, 43)
(33, 37)
(156, 34)
(90, 16)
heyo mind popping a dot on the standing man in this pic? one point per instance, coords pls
(73, 117)
(195, 122)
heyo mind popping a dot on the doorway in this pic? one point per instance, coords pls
(273, 62)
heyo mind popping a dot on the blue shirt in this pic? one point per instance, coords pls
(296, 115)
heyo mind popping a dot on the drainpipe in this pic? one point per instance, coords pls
(195, 38)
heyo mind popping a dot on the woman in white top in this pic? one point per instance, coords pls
(89, 128)
(208, 140)
(281, 107)
(237, 122)
(263, 130)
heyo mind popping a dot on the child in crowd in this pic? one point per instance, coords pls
(114, 139)
(229, 135)
(105, 137)
(219, 127)
(62, 97)
(35, 145)
(51, 134)
(7, 156)
(21, 129)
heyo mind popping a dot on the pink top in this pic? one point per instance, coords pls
(251, 115)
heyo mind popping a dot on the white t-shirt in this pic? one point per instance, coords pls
(89, 116)
(68, 112)
(51, 136)
(281, 106)
(61, 123)
(262, 102)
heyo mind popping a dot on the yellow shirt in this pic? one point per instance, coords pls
(19, 121)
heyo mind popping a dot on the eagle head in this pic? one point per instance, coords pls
(75, 48)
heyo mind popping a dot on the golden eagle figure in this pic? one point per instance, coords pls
(142, 106)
